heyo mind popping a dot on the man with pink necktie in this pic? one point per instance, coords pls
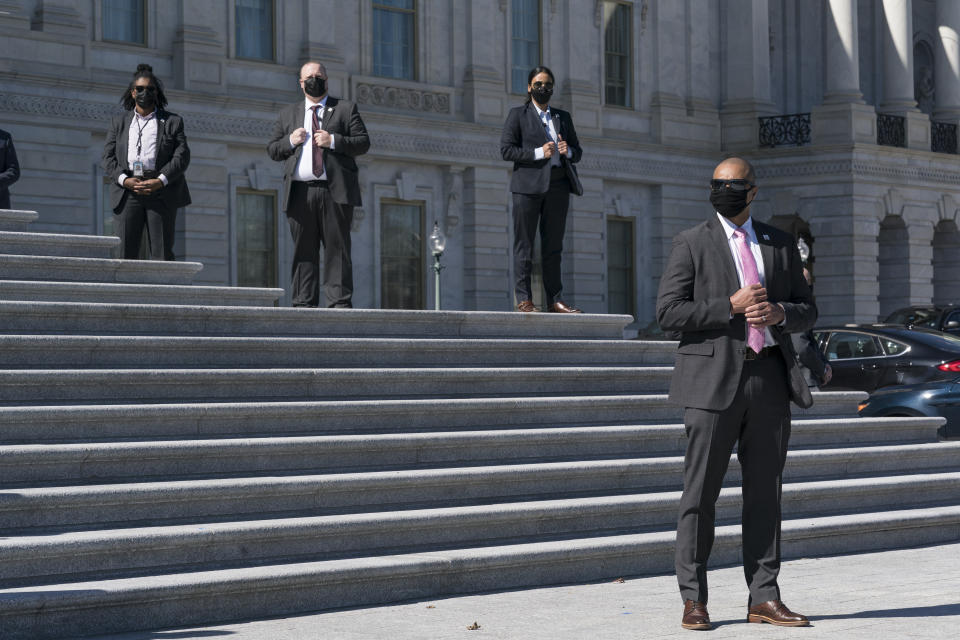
(733, 288)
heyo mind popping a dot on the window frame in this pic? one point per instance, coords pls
(510, 39)
(274, 224)
(145, 24)
(421, 263)
(628, 57)
(415, 46)
(275, 12)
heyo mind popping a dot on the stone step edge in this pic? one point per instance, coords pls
(151, 491)
(177, 599)
(61, 239)
(106, 263)
(91, 453)
(144, 539)
(132, 288)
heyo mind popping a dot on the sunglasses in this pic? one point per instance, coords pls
(146, 89)
(542, 85)
(732, 185)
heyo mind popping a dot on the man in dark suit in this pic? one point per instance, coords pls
(9, 168)
(734, 288)
(317, 139)
(145, 157)
(542, 144)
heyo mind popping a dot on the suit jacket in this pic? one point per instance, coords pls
(9, 168)
(523, 133)
(812, 361)
(694, 299)
(173, 158)
(341, 119)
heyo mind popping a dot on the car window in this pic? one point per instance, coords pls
(892, 347)
(915, 317)
(844, 345)
(953, 317)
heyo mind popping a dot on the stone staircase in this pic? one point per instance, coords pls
(174, 454)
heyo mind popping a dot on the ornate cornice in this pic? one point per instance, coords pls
(402, 98)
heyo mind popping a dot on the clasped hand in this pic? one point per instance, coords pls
(143, 187)
(752, 302)
(552, 147)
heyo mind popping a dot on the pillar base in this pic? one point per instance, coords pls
(677, 125)
(916, 128)
(739, 124)
(848, 123)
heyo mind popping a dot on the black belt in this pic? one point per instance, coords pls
(312, 183)
(150, 174)
(750, 354)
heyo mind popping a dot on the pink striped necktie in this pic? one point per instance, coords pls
(755, 337)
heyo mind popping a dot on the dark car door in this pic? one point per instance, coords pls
(948, 405)
(951, 323)
(857, 361)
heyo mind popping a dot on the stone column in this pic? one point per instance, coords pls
(485, 99)
(947, 62)
(898, 98)
(748, 73)
(843, 116)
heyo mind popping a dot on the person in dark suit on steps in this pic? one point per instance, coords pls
(317, 139)
(145, 157)
(734, 289)
(542, 144)
(9, 168)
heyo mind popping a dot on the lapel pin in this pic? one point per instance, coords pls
(766, 237)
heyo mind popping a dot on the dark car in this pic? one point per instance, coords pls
(940, 317)
(867, 357)
(941, 398)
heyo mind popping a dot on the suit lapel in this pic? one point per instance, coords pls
(534, 120)
(766, 251)
(718, 237)
(161, 134)
(327, 112)
(123, 139)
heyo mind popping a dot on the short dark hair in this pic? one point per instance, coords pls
(143, 71)
(534, 73)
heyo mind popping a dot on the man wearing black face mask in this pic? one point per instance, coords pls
(317, 139)
(542, 144)
(146, 156)
(734, 289)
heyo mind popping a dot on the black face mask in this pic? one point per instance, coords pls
(145, 97)
(729, 203)
(541, 95)
(314, 86)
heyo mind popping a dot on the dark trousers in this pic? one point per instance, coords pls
(549, 210)
(160, 220)
(759, 420)
(315, 220)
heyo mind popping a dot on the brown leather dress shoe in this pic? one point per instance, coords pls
(526, 306)
(695, 616)
(560, 307)
(775, 612)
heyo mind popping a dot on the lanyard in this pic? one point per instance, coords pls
(140, 133)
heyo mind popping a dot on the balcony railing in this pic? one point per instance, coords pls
(891, 130)
(779, 131)
(943, 137)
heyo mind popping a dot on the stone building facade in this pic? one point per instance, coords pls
(849, 109)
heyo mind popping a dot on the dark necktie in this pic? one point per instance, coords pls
(317, 151)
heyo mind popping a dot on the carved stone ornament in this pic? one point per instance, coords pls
(401, 98)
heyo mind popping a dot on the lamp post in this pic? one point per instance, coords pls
(437, 243)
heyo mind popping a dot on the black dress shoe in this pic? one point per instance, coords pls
(775, 612)
(695, 616)
(560, 307)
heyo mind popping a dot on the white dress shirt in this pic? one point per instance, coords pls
(729, 228)
(304, 172)
(538, 152)
(143, 129)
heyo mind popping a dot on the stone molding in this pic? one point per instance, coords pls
(396, 96)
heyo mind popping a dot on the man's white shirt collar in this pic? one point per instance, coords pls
(729, 227)
(310, 104)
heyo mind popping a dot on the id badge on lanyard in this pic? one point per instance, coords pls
(137, 169)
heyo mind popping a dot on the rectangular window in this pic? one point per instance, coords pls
(125, 21)
(394, 38)
(256, 238)
(620, 266)
(401, 255)
(616, 53)
(525, 38)
(254, 29)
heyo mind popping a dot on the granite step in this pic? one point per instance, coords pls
(204, 546)
(107, 422)
(191, 320)
(58, 244)
(89, 386)
(51, 611)
(16, 219)
(111, 462)
(147, 352)
(152, 503)
(156, 294)
(26, 267)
